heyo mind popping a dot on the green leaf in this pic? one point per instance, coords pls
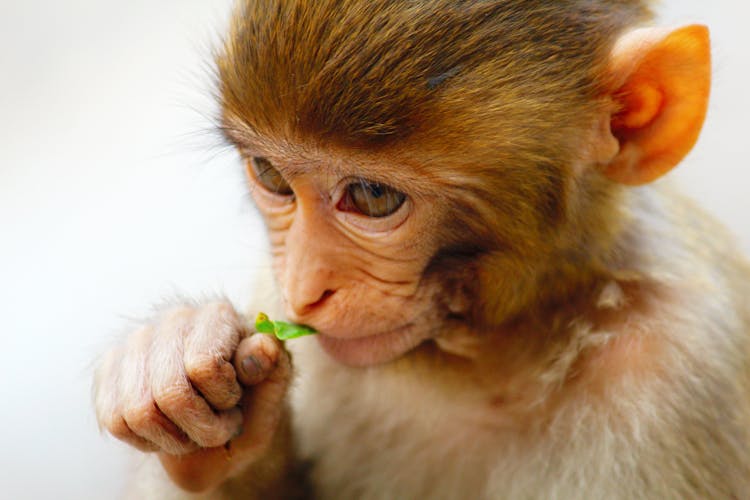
(263, 324)
(281, 329)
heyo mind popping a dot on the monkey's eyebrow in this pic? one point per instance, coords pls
(238, 133)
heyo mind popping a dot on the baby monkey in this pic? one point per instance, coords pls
(459, 200)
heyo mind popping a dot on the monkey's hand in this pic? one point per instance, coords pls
(200, 390)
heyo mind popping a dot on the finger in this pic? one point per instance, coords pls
(141, 415)
(208, 353)
(263, 405)
(175, 396)
(256, 358)
(108, 413)
(120, 429)
(105, 388)
(149, 423)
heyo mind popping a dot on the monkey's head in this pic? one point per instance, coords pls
(424, 165)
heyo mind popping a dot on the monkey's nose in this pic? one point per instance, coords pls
(301, 306)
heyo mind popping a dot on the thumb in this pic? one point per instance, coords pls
(257, 358)
(264, 367)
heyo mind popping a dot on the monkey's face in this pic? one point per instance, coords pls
(350, 244)
(420, 159)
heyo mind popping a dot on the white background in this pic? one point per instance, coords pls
(114, 195)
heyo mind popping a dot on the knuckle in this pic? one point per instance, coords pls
(134, 352)
(140, 338)
(177, 315)
(104, 376)
(216, 431)
(222, 310)
(147, 421)
(141, 416)
(210, 438)
(106, 362)
(118, 427)
(102, 395)
(173, 397)
(222, 319)
(203, 367)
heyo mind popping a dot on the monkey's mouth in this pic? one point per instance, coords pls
(373, 349)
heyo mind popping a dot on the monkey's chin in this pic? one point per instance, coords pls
(374, 349)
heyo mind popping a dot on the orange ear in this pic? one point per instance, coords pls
(662, 82)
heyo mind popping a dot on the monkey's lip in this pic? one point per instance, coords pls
(373, 349)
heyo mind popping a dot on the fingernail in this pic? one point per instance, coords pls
(252, 367)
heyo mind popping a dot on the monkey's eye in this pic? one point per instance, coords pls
(270, 177)
(371, 199)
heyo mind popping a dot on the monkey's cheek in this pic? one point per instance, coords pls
(372, 350)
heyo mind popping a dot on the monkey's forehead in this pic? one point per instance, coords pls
(374, 73)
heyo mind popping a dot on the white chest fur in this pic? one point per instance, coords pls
(381, 433)
(370, 436)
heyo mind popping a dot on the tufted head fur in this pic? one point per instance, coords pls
(472, 95)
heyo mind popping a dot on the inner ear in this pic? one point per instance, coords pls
(662, 81)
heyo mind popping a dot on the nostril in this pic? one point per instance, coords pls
(300, 305)
(324, 297)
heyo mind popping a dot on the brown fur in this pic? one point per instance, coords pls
(314, 75)
(590, 341)
(492, 91)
